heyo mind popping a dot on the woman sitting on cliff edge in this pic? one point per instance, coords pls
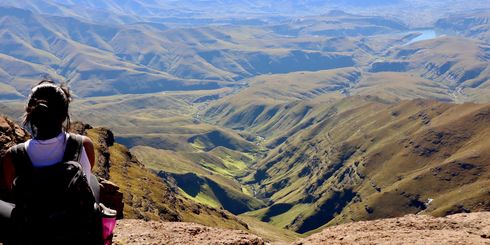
(46, 206)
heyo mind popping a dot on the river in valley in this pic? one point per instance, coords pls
(425, 34)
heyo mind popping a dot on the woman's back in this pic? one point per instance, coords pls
(55, 202)
(43, 153)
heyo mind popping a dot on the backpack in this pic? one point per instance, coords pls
(55, 204)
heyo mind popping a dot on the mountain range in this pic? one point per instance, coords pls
(284, 116)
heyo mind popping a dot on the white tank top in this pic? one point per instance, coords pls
(49, 152)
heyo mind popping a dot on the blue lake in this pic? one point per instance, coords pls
(424, 35)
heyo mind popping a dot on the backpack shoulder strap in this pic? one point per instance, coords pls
(73, 149)
(20, 158)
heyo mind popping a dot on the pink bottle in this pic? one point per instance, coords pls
(108, 223)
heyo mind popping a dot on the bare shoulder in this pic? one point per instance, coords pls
(87, 142)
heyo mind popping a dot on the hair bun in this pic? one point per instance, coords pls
(41, 107)
(47, 107)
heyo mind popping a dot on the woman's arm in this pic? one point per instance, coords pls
(89, 149)
(8, 172)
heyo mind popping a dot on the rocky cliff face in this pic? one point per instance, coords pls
(110, 193)
(10, 134)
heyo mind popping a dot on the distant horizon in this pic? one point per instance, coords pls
(245, 9)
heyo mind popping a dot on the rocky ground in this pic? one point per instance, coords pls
(471, 228)
(142, 232)
(412, 229)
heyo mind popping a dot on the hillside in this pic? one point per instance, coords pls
(370, 159)
(319, 131)
(146, 195)
(453, 64)
(104, 58)
(474, 24)
(462, 228)
(69, 48)
(206, 177)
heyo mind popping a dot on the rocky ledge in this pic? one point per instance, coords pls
(473, 228)
(152, 232)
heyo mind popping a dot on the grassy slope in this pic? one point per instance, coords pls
(345, 164)
(456, 64)
(148, 196)
(217, 155)
(85, 53)
(449, 69)
(8, 92)
(472, 24)
(269, 232)
(172, 139)
(105, 59)
(264, 107)
(207, 177)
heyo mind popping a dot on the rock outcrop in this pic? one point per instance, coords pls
(10, 134)
(112, 197)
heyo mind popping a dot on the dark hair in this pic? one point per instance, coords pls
(47, 108)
